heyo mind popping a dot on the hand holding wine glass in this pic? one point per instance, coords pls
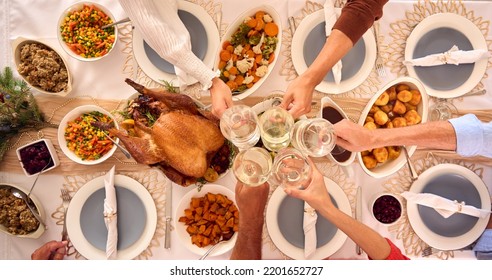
(252, 166)
(291, 169)
(239, 124)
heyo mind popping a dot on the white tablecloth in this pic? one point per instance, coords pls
(105, 79)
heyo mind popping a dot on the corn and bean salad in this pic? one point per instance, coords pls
(81, 31)
(87, 141)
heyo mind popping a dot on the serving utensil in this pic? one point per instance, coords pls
(116, 23)
(123, 150)
(413, 172)
(224, 238)
(23, 196)
(104, 126)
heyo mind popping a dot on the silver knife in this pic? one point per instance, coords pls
(169, 206)
(358, 214)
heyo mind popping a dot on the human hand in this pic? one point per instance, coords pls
(298, 97)
(221, 97)
(353, 137)
(315, 193)
(251, 202)
(53, 250)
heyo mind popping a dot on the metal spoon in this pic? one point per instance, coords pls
(123, 150)
(115, 23)
(413, 172)
(225, 238)
(23, 196)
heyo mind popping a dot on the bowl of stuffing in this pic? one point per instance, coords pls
(80, 31)
(41, 66)
(83, 135)
(38, 156)
(15, 217)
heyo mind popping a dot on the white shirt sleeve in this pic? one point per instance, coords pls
(473, 137)
(164, 32)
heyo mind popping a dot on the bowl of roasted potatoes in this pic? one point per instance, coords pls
(401, 102)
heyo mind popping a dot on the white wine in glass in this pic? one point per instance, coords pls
(291, 169)
(313, 137)
(252, 166)
(275, 126)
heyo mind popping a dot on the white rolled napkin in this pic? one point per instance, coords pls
(110, 215)
(453, 56)
(309, 227)
(444, 206)
(330, 19)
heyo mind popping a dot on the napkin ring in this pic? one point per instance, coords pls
(460, 205)
(310, 211)
(110, 215)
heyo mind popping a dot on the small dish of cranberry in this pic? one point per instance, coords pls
(36, 155)
(387, 208)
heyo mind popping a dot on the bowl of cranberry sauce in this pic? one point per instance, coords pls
(38, 156)
(386, 208)
(333, 113)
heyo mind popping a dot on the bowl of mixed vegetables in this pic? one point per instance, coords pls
(80, 31)
(81, 137)
(249, 50)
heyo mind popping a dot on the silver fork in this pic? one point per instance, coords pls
(66, 201)
(379, 58)
(427, 251)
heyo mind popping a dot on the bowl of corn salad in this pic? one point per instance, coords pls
(80, 31)
(83, 142)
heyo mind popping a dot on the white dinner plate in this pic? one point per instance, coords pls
(453, 182)
(137, 218)
(180, 227)
(436, 34)
(284, 218)
(307, 42)
(204, 41)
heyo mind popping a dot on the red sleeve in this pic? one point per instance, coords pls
(395, 253)
(358, 16)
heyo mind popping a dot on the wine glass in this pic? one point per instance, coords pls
(252, 166)
(442, 110)
(291, 169)
(313, 137)
(275, 126)
(239, 124)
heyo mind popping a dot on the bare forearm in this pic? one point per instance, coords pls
(376, 247)
(248, 243)
(336, 46)
(433, 135)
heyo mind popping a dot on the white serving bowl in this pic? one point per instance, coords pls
(233, 28)
(72, 115)
(391, 166)
(34, 234)
(78, 7)
(37, 155)
(20, 42)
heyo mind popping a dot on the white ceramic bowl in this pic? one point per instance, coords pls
(233, 27)
(35, 234)
(20, 42)
(391, 166)
(72, 115)
(180, 227)
(389, 208)
(37, 155)
(78, 7)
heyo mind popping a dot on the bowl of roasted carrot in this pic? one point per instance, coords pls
(81, 140)
(249, 50)
(80, 31)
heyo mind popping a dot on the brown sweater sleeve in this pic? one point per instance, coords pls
(358, 16)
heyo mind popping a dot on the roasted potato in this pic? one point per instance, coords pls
(369, 161)
(380, 154)
(380, 118)
(393, 152)
(392, 93)
(404, 96)
(412, 117)
(416, 97)
(370, 125)
(399, 108)
(399, 122)
(382, 99)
